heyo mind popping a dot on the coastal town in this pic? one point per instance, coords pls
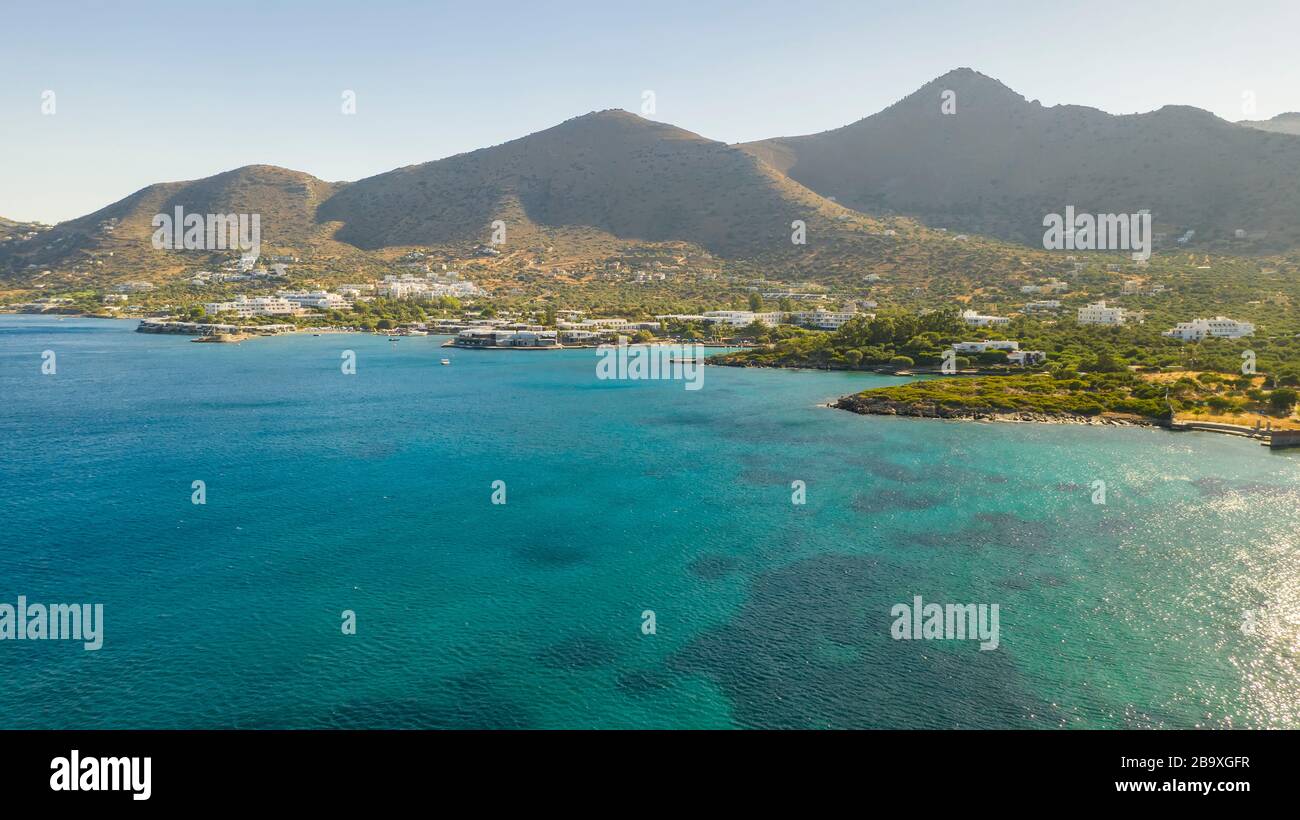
(1079, 320)
(286, 309)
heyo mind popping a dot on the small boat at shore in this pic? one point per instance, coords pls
(394, 338)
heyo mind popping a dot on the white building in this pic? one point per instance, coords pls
(1099, 314)
(822, 319)
(986, 345)
(496, 337)
(1220, 326)
(316, 299)
(245, 307)
(1043, 305)
(742, 318)
(425, 288)
(406, 287)
(595, 323)
(974, 319)
(1026, 357)
(734, 318)
(578, 336)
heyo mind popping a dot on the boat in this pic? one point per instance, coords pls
(445, 361)
(393, 338)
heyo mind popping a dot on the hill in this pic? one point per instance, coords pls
(115, 241)
(599, 178)
(1288, 123)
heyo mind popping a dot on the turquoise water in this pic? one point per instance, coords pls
(372, 493)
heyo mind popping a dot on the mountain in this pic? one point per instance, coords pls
(999, 163)
(585, 194)
(611, 174)
(117, 238)
(1288, 123)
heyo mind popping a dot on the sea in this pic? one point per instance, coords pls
(512, 542)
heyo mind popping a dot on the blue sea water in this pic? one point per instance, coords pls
(373, 493)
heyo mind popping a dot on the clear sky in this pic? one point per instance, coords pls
(164, 91)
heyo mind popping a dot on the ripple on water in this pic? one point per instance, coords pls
(811, 648)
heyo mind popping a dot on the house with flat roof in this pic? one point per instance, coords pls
(986, 345)
(974, 319)
(1098, 313)
(1220, 326)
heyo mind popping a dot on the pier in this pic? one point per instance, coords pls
(1273, 439)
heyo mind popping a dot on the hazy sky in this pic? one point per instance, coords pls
(164, 91)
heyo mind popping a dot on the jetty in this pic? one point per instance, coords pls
(1275, 439)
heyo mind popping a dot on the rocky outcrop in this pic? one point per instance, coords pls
(881, 406)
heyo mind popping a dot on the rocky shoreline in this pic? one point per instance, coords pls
(877, 406)
(722, 361)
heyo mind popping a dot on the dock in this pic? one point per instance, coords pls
(1268, 437)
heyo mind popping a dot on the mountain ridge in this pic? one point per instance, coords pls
(596, 184)
(999, 162)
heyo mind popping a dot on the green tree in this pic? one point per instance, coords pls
(1105, 362)
(1283, 400)
(755, 330)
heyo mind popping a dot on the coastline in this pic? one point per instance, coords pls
(860, 403)
(874, 406)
